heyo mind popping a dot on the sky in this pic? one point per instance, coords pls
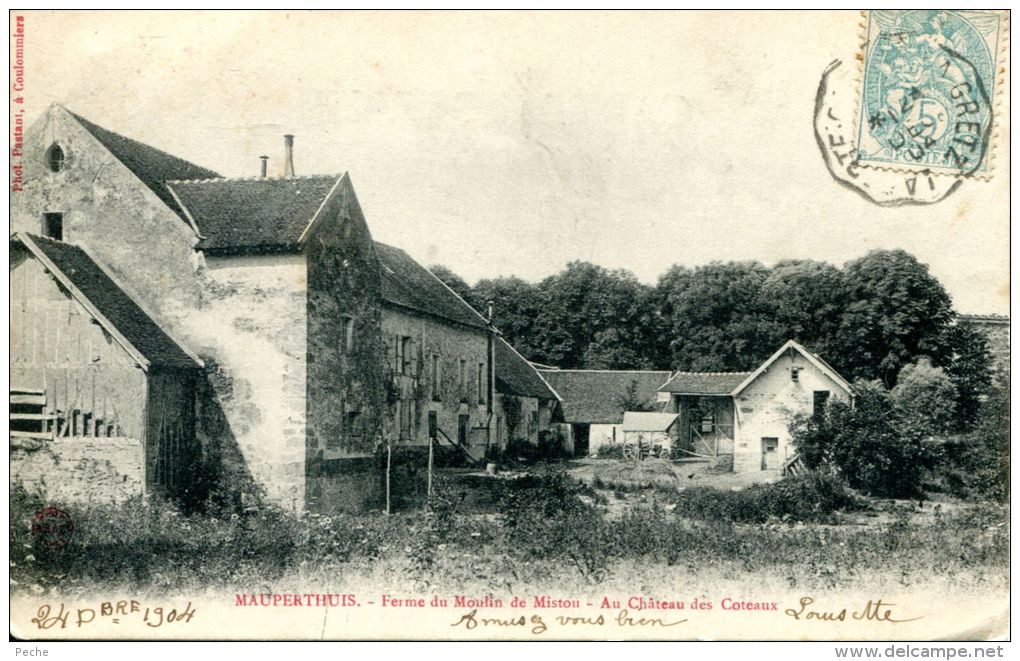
(513, 143)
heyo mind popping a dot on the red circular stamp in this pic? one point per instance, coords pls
(52, 527)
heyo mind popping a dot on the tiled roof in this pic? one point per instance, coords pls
(152, 166)
(705, 383)
(408, 284)
(596, 396)
(112, 302)
(236, 216)
(641, 421)
(516, 376)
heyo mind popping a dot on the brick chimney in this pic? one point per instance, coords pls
(288, 147)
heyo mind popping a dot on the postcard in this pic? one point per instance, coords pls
(436, 325)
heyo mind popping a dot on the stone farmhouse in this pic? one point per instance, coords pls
(188, 329)
(747, 415)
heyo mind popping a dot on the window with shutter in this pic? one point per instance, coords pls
(434, 377)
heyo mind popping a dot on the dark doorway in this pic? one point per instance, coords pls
(581, 434)
(463, 429)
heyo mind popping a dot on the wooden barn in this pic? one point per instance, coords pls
(102, 399)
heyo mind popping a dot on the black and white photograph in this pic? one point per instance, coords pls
(510, 326)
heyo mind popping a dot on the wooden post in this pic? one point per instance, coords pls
(429, 491)
(389, 459)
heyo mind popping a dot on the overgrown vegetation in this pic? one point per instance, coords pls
(813, 497)
(520, 452)
(547, 530)
(899, 443)
(975, 466)
(866, 443)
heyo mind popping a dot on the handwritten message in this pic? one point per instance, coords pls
(113, 612)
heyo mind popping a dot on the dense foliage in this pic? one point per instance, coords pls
(975, 465)
(875, 445)
(810, 497)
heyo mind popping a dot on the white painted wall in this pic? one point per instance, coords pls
(767, 406)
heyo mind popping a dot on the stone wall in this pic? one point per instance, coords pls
(345, 396)
(240, 315)
(418, 391)
(249, 331)
(79, 470)
(109, 210)
(517, 421)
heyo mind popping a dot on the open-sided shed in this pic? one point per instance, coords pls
(102, 398)
(652, 432)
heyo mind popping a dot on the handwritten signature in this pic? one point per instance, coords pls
(874, 610)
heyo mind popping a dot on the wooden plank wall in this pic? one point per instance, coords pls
(92, 386)
(171, 448)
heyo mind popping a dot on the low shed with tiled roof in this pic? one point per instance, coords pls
(594, 402)
(96, 383)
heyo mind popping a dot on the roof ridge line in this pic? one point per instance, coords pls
(696, 372)
(129, 292)
(212, 180)
(28, 240)
(607, 371)
(128, 138)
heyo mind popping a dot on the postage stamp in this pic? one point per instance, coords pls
(928, 90)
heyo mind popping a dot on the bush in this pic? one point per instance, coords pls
(810, 497)
(143, 544)
(521, 451)
(870, 446)
(549, 517)
(975, 466)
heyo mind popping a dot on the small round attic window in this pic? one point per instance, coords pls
(55, 158)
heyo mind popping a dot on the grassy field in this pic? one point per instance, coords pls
(545, 531)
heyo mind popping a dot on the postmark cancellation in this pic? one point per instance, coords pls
(929, 85)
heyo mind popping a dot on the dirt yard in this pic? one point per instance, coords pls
(623, 475)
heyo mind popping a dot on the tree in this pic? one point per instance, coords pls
(459, 285)
(924, 398)
(719, 317)
(807, 299)
(970, 369)
(867, 443)
(593, 317)
(896, 311)
(630, 400)
(516, 305)
(986, 458)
